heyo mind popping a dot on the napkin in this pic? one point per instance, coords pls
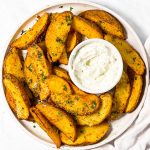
(15, 12)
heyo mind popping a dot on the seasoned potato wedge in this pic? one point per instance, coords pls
(13, 64)
(129, 55)
(106, 22)
(59, 118)
(73, 39)
(99, 116)
(20, 97)
(60, 72)
(57, 33)
(32, 34)
(37, 71)
(121, 95)
(11, 101)
(63, 58)
(58, 85)
(87, 135)
(51, 131)
(76, 104)
(76, 90)
(86, 28)
(136, 89)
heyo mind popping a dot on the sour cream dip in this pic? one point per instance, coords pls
(95, 66)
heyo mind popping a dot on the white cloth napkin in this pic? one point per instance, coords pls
(15, 12)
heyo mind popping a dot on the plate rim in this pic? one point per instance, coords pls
(40, 10)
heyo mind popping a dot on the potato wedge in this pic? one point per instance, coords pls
(59, 118)
(60, 72)
(32, 34)
(136, 90)
(75, 89)
(63, 58)
(100, 115)
(58, 85)
(76, 104)
(87, 135)
(129, 55)
(86, 28)
(37, 71)
(51, 131)
(121, 95)
(106, 22)
(13, 64)
(11, 101)
(73, 39)
(57, 33)
(18, 94)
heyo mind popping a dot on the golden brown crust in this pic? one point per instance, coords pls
(51, 131)
(32, 34)
(86, 28)
(59, 118)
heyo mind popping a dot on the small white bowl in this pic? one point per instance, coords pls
(101, 89)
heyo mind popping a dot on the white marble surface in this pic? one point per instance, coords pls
(15, 12)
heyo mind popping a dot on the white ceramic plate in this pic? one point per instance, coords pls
(118, 126)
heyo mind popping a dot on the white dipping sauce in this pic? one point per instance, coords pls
(96, 66)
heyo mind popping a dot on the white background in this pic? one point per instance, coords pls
(15, 12)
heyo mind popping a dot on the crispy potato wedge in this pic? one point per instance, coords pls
(51, 131)
(136, 90)
(11, 101)
(76, 104)
(57, 33)
(100, 115)
(106, 22)
(75, 89)
(18, 94)
(121, 95)
(87, 135)
(32, 34)
(73, 39)
(60, 72)
(59, 118)
(13, 64)
(58, 85)
(63, 58)
(129, 55)
(86, 28)
(37, 71)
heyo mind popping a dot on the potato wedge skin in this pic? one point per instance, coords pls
(86, 28)
(76, 104)
(63, 58)
(73, 39)
(60, 72)
(59, 118)
(13, 64)
(136, 90)
(121, 95)
(76, 90)
(87, 135)
(11, 101)
(106, 21)
(32, 34)
(18, 94)
(37, 71)
(46, 126)
(57, 33)
(129, 55)
(102, 113)
(58, 85)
